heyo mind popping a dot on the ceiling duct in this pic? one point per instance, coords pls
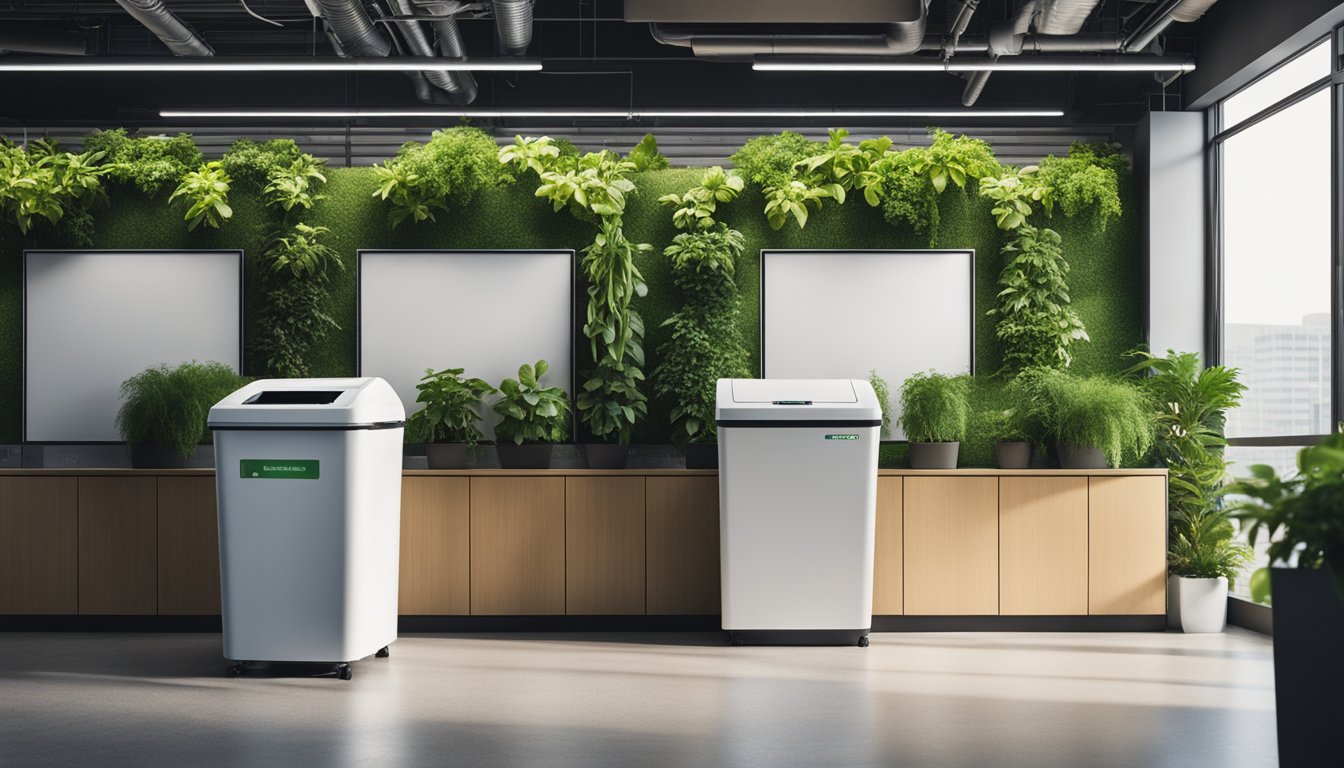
(513, 23)
(460, 87)
(771, 11)
(1063, 17)
(181, 39)
(899, 37)
(1173, 10)
(350, 24)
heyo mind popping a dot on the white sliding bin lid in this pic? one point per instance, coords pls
(801, 400)
(300, 403)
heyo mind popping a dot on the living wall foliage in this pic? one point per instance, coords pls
(45, 183)
(1103, 283)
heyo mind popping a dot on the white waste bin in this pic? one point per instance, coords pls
(308, 477)
(798, 507)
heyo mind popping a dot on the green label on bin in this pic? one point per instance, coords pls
(279, 469)
(842, 437)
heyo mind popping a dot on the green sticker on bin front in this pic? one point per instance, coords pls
(842, 437)
(279, 469)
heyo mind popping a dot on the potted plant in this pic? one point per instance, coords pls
(164, 410)
(1202, 558)
(447, 424)
(1097, 422)
(883, 392)
(532, 419)
(934, 414)
(1012, 440)
(1302, 518)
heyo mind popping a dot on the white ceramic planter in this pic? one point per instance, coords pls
(1203, 604)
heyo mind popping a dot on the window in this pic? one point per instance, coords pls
(1273, 156)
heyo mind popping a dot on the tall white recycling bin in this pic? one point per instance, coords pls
(309, 489)
(798, 508)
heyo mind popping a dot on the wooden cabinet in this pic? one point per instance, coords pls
(951, 546)
(435, 571)
(188, 546)
(1127, 541)
(604, 545)
(888, 586)
(118, 557)
(517, 545)
(682, 522)
(39, 547)
(1043, 546)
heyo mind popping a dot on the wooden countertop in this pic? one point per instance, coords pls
(652, 472)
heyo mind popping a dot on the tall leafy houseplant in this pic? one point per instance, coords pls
(1301, 517)
(448, 422)
(705, 343)
(594, 186)
(532, 418)
(1035, 322)
(935, 410)
(163, 412)
(1192, 404)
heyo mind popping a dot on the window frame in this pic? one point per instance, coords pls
(1215, 295)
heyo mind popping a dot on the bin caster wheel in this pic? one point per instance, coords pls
(383, 653)
(863, 641)
(236, 670)
(344, 672)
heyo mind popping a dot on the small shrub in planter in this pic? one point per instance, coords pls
(447, 424)
(1304, 513)
(164, 410)
(1097, 422)
(934, 412)
(532, 419)
(1012, 440)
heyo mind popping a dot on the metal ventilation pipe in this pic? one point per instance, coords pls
(350, 23)
(460, 86)
(901, 37)
(513, 24)
(1173, 10)
(181, 39)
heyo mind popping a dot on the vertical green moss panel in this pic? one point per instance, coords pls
(1105, 277)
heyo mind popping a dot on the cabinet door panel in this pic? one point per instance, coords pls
(39, 548)
(517, 546)
(435, 570)
(1127, 569)
(188, 546)
(118, 557)
(888, 588)
(1043, 546)
(951, 546)
(682, 519)
(604, 545)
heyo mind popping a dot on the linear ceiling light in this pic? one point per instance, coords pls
(1007, 64)
(620, 114)
(220, 64)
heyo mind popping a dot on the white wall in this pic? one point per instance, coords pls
(1171, 169)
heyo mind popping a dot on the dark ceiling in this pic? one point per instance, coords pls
(592, 57)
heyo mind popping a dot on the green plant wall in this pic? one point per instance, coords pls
(1104, 282)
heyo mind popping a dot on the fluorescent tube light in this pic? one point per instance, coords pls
(619, 114)
(220, 64)
(1006, 64)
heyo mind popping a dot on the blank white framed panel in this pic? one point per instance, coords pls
(92, 319)
(839, 314)
(487, 311)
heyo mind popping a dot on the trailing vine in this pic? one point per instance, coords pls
(594, 186)
(1035, 322)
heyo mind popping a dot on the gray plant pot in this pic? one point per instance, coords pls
(525, 456)
(607, 455)
(702, 456)
(446, 455)
(157, 456)
(934, 455)
(1013, 454)
(1080, 456)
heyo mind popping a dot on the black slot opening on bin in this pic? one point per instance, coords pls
(293, 397)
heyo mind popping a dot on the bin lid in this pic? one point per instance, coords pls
(361, 403)
(800, 400)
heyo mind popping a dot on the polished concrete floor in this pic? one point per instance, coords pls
(637, 701)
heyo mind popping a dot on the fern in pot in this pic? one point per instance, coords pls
(533, 418)
(1097, 422)
(1012, 438)
(164, 410)
(448, 422)
(934, 412)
